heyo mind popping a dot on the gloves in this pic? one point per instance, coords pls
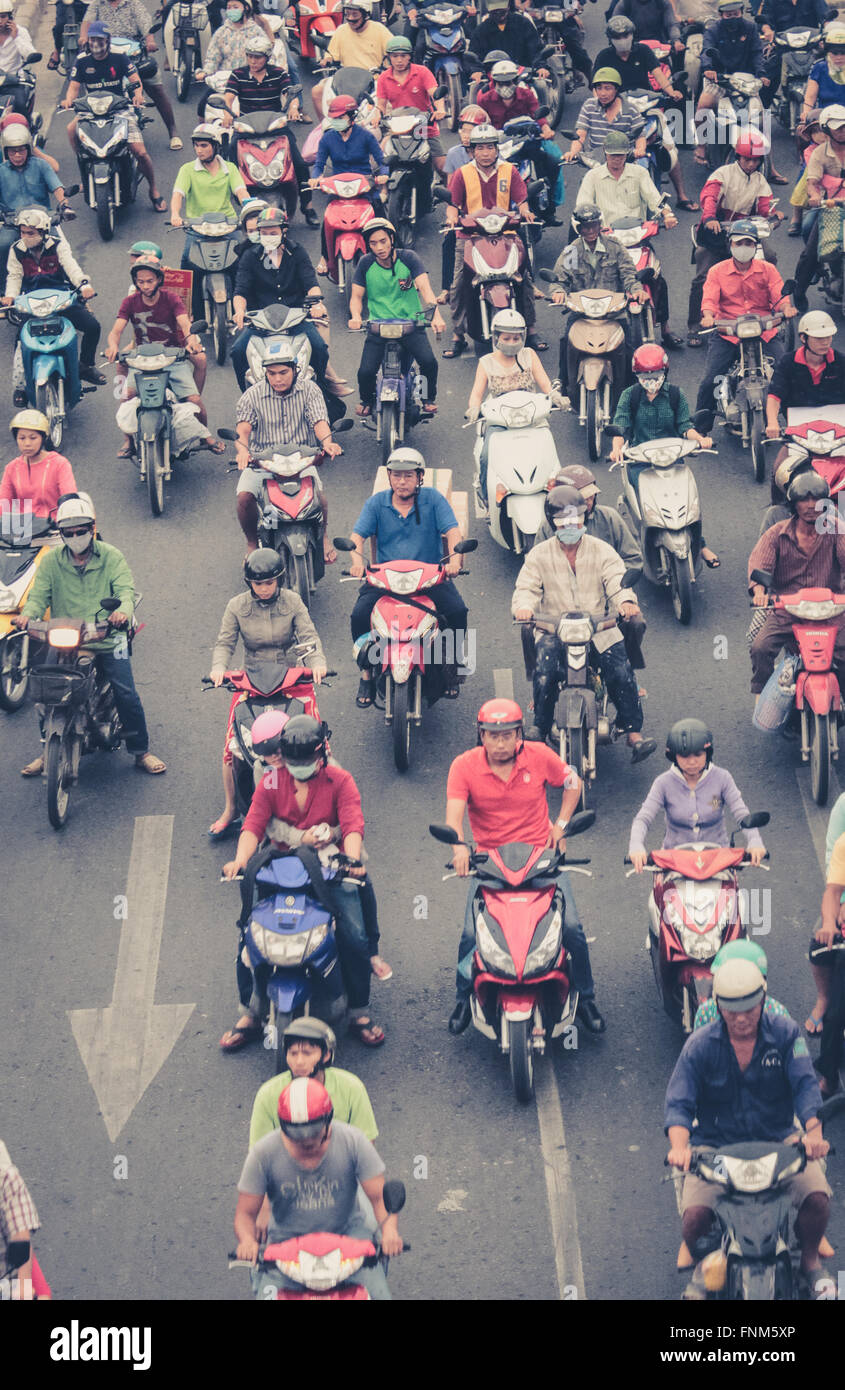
(563, 402)
(472, 413)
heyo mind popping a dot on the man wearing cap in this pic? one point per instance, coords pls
(129, 19)
(606, 109)
(620, 189)
(744, 1078)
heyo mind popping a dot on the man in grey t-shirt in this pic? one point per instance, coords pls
(309, 1169)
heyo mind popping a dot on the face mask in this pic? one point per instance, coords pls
(339, 123)
(741, 253)
(300, 772)
(269, 242)
(509, 349)
(234, 16)
(652, 383)
(31, 238)
(78, 544)
(623, 46)
(505, 90)
(569, 535)
(254, 237)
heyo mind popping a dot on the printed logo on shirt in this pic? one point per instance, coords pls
(504, 184)
(771, 1059)
(310, 1193)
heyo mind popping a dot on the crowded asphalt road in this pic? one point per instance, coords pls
(148, 1213)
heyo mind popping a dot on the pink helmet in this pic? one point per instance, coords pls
(267, 732)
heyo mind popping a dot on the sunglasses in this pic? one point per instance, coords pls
(77, 531)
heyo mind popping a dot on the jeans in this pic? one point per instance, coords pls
(445, 597)
(319, 351)
(372, 1279)
(414, 345)
(73, 10)
(574, 941)
(8, 235)
(615, 669)
(118, 669)
(721, 356)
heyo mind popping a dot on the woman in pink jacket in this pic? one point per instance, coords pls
(38, 477)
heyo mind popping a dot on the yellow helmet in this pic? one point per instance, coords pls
(30, 420)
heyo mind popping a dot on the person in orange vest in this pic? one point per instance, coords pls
(486, 182)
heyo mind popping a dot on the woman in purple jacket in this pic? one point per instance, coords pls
(693, 796)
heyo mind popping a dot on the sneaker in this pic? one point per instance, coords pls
(459, 1018)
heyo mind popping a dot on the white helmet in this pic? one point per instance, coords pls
(818, 324)
(504, 72)
(365, 5)
(75, 511)
(508, 321)
(832, 117)
(738, 986)
(15, 137)
(259, 47)
(34, 217)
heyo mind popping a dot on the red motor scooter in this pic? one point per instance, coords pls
(406, 625)
(306, 18)
(818, 700)
(636, 236)
(822, 442)
(349, 210)
(260, 147)
(521, 992)
(694, 909)
(494, 262)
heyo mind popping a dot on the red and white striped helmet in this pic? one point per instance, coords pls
(305, 1109)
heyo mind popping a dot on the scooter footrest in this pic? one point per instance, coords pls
(86, 390)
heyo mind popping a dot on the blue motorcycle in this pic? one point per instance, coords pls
(442, 26)
(399, 384)
(50, 352)
(289, 944)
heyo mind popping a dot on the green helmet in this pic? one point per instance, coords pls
(399, 44)
(146, 248)
(741, 950)
(606, 75)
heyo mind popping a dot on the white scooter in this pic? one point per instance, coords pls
(664, 513)
(522, 460)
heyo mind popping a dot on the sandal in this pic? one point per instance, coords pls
(536, 343)
(53, 62)
(363, 411)
(813, 1025)
(215, 446)
(218, 832)
(369, 1033)
(711, 564)
(687, 205)
(159, 203)
(236, 1038)
(127, 450)
(459, 345)
(429, 408)
(364, 698)
(380, 968)
(148, 762)
(694, 340)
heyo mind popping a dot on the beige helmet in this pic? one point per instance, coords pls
(738, 985)
(30, 420)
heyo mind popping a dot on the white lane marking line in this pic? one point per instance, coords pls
(817, 816)
(125, 1045)
(557, 1171)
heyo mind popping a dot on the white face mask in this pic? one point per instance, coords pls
(78, 544)
(743, 252)
(254, 237)
(270, 243)
(300, 772)
(652, 383)
(623, 46)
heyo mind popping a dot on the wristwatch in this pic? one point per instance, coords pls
(562, 823)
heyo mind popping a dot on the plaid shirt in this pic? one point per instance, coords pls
(128, 19)
(276, 419)
(17, 1209)
(654, 419)
(611, 268)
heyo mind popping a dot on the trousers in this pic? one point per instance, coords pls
(616, 671)
(415, 345)
(574, 941)
(775, 633)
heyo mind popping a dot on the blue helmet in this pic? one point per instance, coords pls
(743, 227)
(98, 30)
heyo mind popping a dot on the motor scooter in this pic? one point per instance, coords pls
(212, 257)
(522, 998)
(442, 26)
(408, 156)
(17, 93)
(50, 354)
(399, 383)
(521, 461)
(308, 18)
(348, 211)
(259, 146)
(186, 33)
(494, 262)
(740, 394)
(161, 425)
(637, 235)
(269, 324)
(799, 47)
(108, 168)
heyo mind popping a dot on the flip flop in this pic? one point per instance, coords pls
(364, 698)
(159, 203)
(687, 205)
(126, 451)
(226, 831)
(382, 970)
(362, 411)
(712, 564)
(240, 1037)
(362, 1026)
(459, 346)
(429, 408)
(817, 1025)
(642, 750)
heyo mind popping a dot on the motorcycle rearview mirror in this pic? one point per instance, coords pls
(631, 577)
(342, 426)
(439, 93)
(441, 194)
(545, 53)
(320, 40)
(72, 190)
(445, 834)
(393, 1195)
(541, 113)
(343, 543)
(216, 100)
(465, 547)
(536, 186)
(32, 59)
(227, 434)
(110, 605)
(18, 1252)
(828, 1110)
(545, 274)
(580, 822)
(570, 134)
(199, 326)
(755, 821)
(763, 577)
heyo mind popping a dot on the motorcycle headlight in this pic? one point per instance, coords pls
(542, 956)
(286, 950)
(575, 630)
(748, 328)
(149, 364)
(403, 581)
(491, 952)
(751, 1174)
(815, 612)
(596, 308)
(43, 308)
(64, 637)
(518, 417)
(699, 945)
(276, 168)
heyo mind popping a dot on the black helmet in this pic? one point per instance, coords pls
(313, 1030)
(562, 499)
(586, 213)
(806, 486)
(261, 565)
(304, 741)
(689, 736)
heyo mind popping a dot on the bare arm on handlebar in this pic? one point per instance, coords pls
(247, 845)
(358, 563)
(680, 1152)
(455, 810)
(391, 1241)
(422, 284)
(356, 306)
(352, 845)
(113, 340)
(249, 1205)
(831, 899)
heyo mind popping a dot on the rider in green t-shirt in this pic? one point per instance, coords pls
(397, 286)
(309, 1046)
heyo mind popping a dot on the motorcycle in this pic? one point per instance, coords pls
(442, 26)
(406, 625)
(306, 19)
(521, 462)
(324, 1263)
(637, 237)
(211, 256)
(20, 87)
(650, 105)
(800, 49)
(160, 440)
(553, 22)
(741, 394)
(818, 443)
(259, 146)
(24, 541)
(399, 384)
(186, 33)
(522, 997)
(50, 353)
(738, 109)
(818, 701)
(494, 259)
(521, 145)
(664, 513)
(107, 166)
(273, 322)
(80, 714)
(408, 155)
(694, 910)
(348, 210)
(593, 338)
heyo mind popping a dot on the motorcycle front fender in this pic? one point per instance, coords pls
(151, 423)
(526, 511)
(752, 393)
(289, 990)
(820, 690)
(216, 287)
(449, 65)
(676, 542)
(592, 370)
(575, 706)
(347, 244)
(101, 173)
(296, 539)
(57, 721)
(47, 365)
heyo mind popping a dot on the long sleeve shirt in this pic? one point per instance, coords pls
(692, 813)
(724, 53)
(54, 266)
(778, 552)
(654, 20)
(73, 592)
(261, 283)
(783, 14)
(548, 585)
(633, 194)
(14, 50)
(228, 44)
(735, 1107)
(40, 484)
(729, 292)
(333, 798)
(606, 524)
(350, 156)
(730, 193)
(267, 631)
(607, 267)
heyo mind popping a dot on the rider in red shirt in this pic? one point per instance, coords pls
(502, 784)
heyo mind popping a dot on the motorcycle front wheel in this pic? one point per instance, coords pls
(399, 213)
(679, 582)
(401, 727)
(48, 402)
(557, 94)
(105, 211)
(594, 426)
(819, 757)
(219, 333)
(299, 578)
(454, 98)
(389, 429)
(152, 459)
(756, 435)
(184, 74)
(522, 1060)
(572, 751)
(347, 266)
(58, 763)
(13, 681)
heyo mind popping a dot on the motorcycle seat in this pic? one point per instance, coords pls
(352, 82)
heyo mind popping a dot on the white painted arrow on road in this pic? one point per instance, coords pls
(125, 1045)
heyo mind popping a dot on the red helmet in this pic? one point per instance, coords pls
(499, 715)
(473, 115)
(342, 106)
(752, 144)
(305, 1109)
(651, 357)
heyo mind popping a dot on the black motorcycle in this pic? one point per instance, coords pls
(212, 256)
(408, 156)
(107, 166)
(17, 93)
(799, 47)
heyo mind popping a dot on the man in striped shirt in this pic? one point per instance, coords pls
(605, 110)
(280, 410)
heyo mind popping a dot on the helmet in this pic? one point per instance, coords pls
(606, 75)
(504, 72)
(729, 5)
(263, 564)
(266, 732)
(496, 55)
(577, 476)
(498, 716)
(259, 46)
(34, 217)
(6, 7)
(834, 33)
(366, 6)
(16, 137)
(806, 486)
(561, 500)
(342, 106)
(738, 986)
(832, 117)
(146, 248)
(273, 217)
(616, 142)
(98, 30)
(30, 420)
(485, 135)
(313, 1030)
(741, 950)
(399, 44)
(379, 224)
(508, 321)
(619, 27)
(304, 741)
(251, 207)
(473, 115)
(752, 144)
(405, 460)
(688, 737)
(305, 1109)
(280, 353)
(204, 131)
(743, 227)
(817, 323)
(75, 511)
(648, 358)
(586, 213)
(147, 263)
